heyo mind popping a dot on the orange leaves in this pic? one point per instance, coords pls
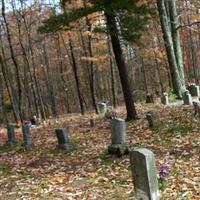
(88, 172)
(94, 59)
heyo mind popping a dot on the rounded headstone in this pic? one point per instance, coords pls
(118, 131)
(102, 108)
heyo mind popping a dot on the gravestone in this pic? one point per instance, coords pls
(27, 137)
(194, 90)
(118, 144)
(150, 116)
(11, 134)
(102, 107)
(165, 99)
(63, 139)
(196, 106)
(149, 98)
(92, 122)
(144, 174)
(187, 99)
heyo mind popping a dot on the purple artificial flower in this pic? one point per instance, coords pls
(163, 171)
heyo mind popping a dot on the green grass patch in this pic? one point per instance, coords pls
(178, 128)
(172, 128)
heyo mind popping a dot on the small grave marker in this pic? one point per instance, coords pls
(63, 139)
(165, 99)
(194, 90)
(187, 99)
(92, 122)
(118, 144)
(150, 116)
(196, 106)
(11, 134)
(102, 107)
(149, 98)
(27, 137)
(144, 174)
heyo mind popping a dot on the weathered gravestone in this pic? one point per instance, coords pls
(187, 99)
(11, 134)
(194, 90)
(144, 174)
(118, 144)
(63, 139)
(165, 99)
(196, 106)
(102, 107)
(150, 116)
(92, 122)
(149, 98)
(27, 137)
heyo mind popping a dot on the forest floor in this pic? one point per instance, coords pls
(88, 172)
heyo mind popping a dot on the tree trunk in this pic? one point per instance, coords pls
(62, 75)
(10, 90)
(176, 39)
(130, 106)
(176, 74)
(50, 86)
(74, 68)
(14, 61)
(29, 88)
(193, 54)
(112, 71)
(144, 75)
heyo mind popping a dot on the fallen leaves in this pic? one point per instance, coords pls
(88, 172)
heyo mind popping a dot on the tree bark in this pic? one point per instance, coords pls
(49, 84)
(14, 61)
(128, 97)
(112, 71)
(74, 68)
(175, 71)
(176, 39)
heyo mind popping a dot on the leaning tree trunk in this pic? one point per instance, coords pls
(176, 39)
(169, 46)
(10, 90)
(14, 61)
(128, 97)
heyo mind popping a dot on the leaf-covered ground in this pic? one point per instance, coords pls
(88, 172)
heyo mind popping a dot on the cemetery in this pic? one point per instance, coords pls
(112, 159)
(99, 100)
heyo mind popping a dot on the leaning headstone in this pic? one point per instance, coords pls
(27, 137)
(144, 174)
(63, 139)
(11, 134)
(102, 107)
(118, 144)
(194, 90)
(187, 99)
(150, 116)
(165, 99)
